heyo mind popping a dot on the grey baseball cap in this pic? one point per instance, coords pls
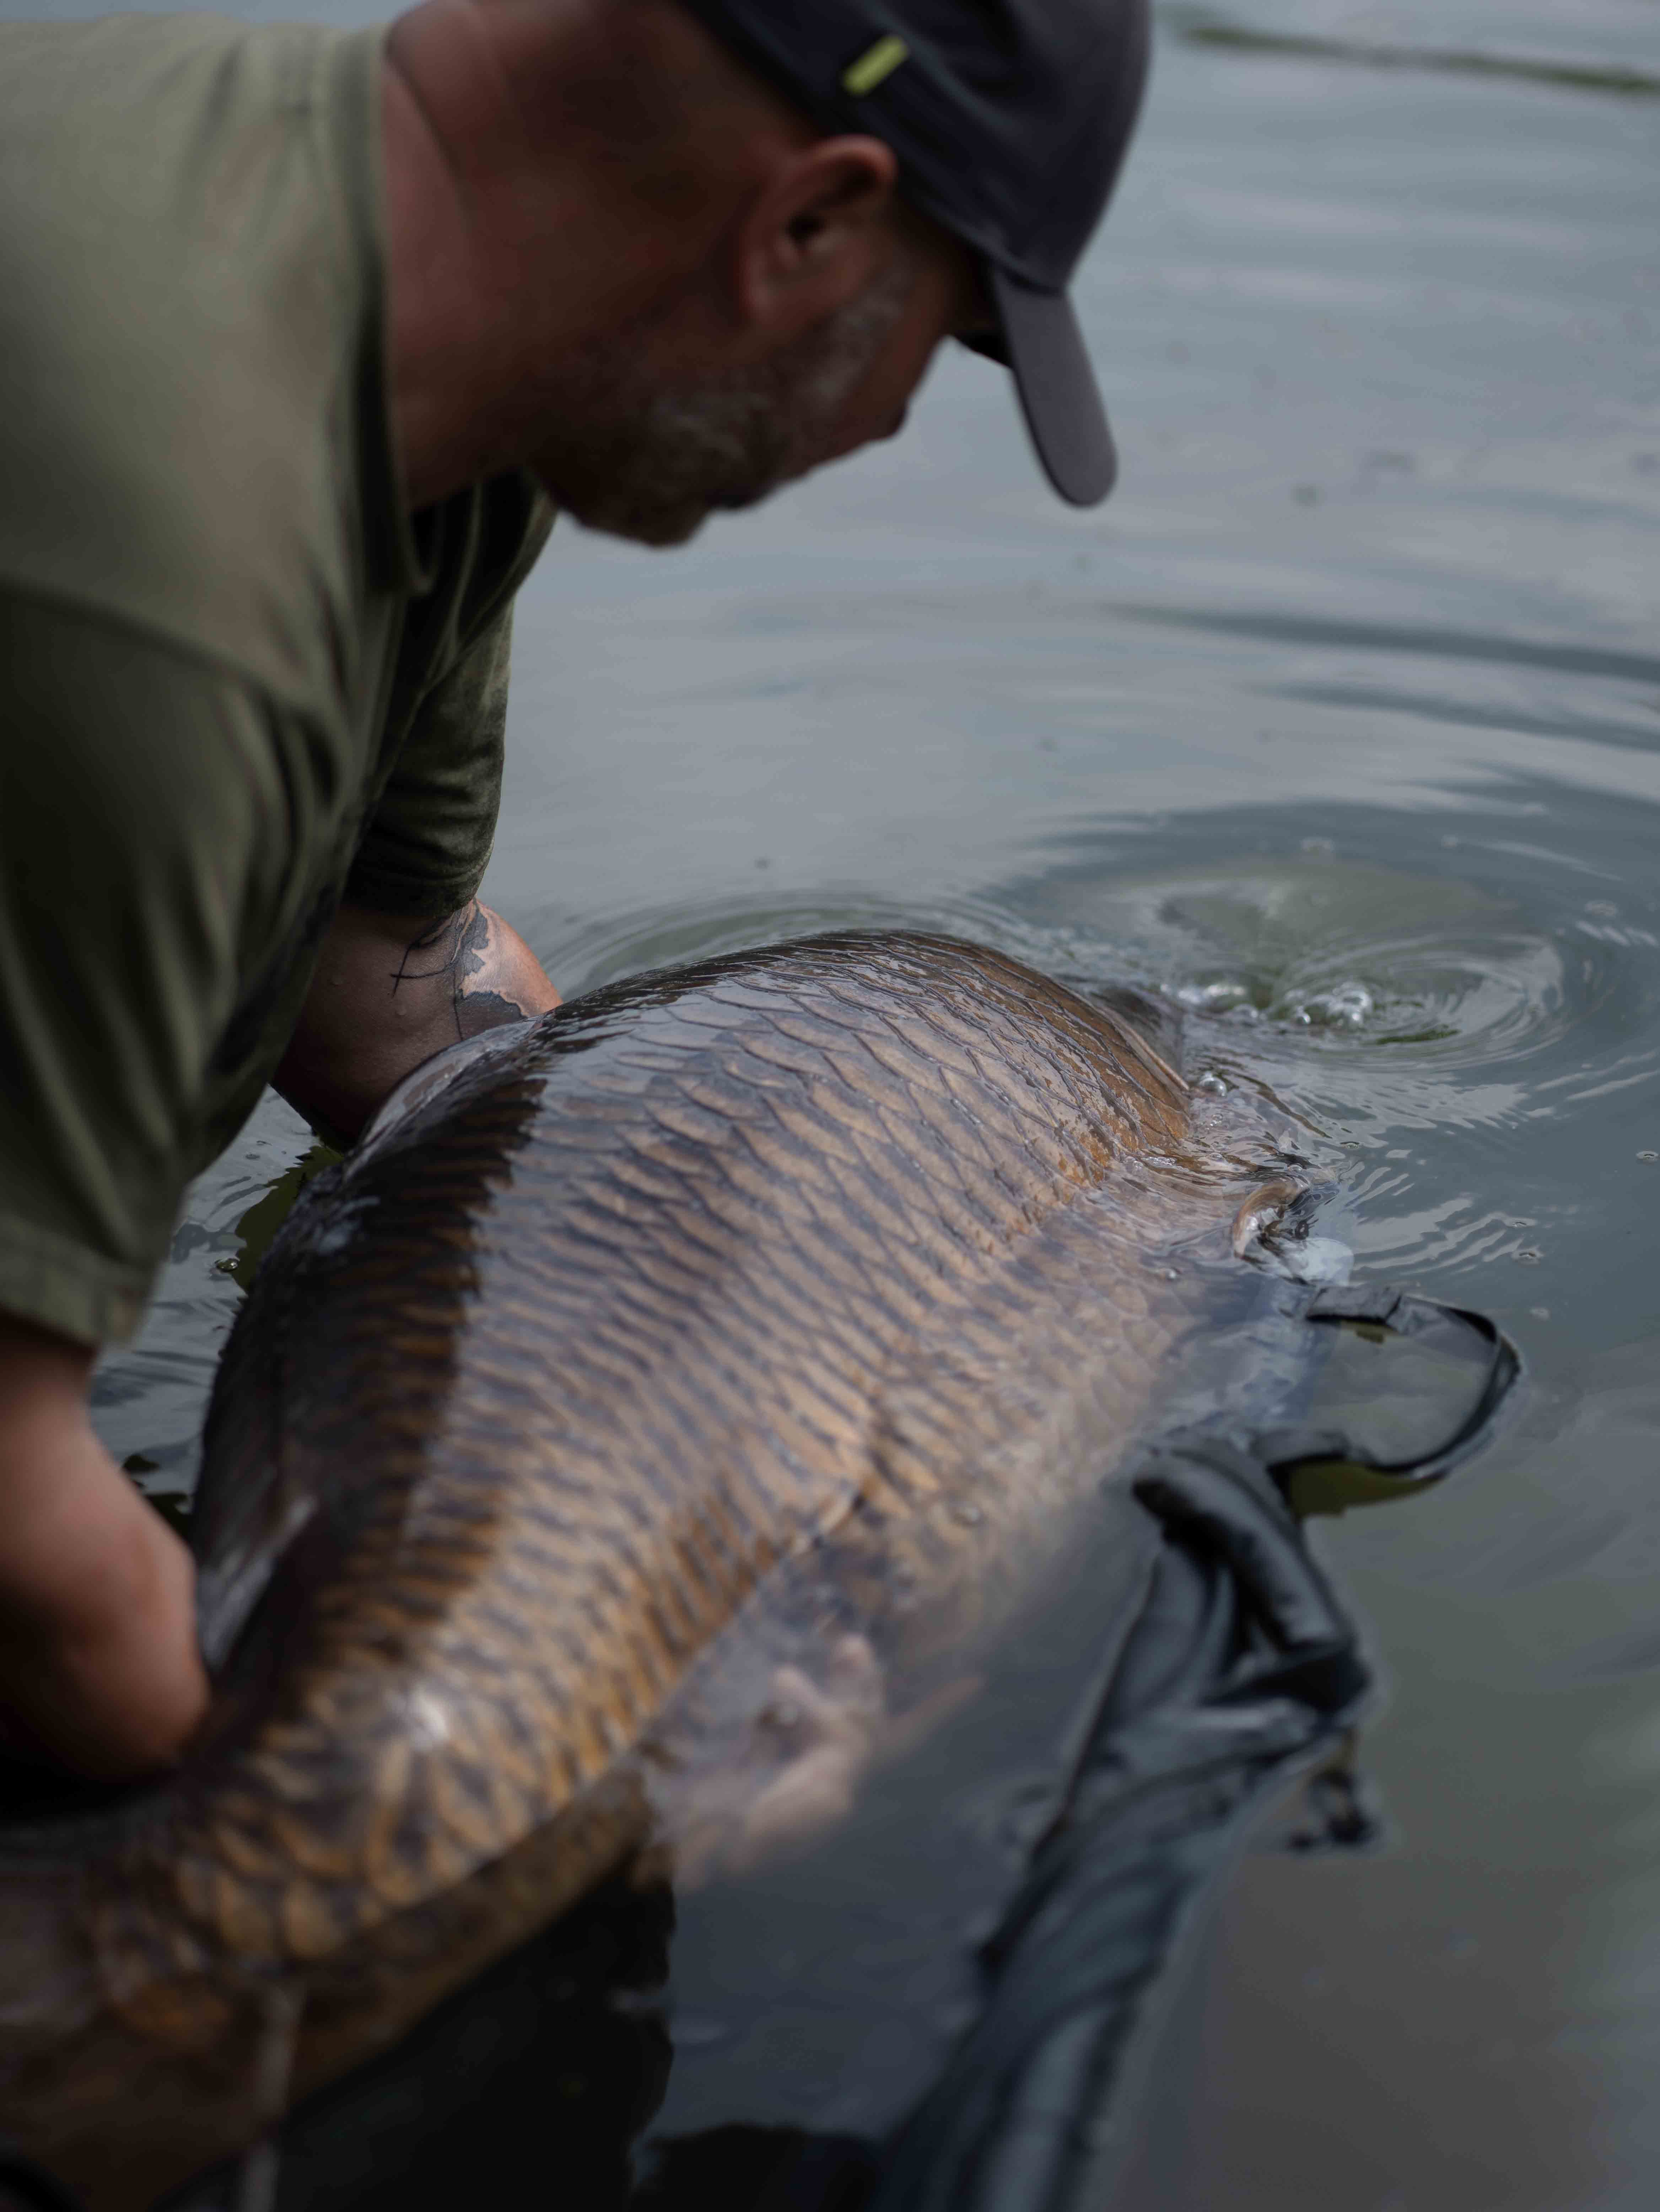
(1011, 119)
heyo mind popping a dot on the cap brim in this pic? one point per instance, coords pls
(1044, 347)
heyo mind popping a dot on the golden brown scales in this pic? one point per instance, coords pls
(644, 1414)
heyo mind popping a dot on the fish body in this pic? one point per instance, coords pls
(611, 1453)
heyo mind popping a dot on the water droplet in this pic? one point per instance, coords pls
(1173, 1274)
(970, 1516)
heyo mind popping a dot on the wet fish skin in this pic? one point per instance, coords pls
(827, 1269)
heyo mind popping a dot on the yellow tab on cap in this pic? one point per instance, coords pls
(874, 66)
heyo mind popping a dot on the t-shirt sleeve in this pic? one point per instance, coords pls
(152, 811)
(428, 838)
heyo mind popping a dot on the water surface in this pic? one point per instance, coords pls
(1339, 723)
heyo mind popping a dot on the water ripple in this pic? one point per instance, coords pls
(1199, 26)
(1413, 1027)
(1422, 640)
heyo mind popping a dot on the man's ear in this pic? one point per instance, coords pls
(814, 234)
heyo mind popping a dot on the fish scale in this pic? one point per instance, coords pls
(686, 1330)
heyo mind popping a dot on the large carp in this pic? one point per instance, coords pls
(620, 1444)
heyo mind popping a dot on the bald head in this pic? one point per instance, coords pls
(619, 257)
(644, 79)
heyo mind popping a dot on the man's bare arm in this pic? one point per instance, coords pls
(98, 1665)
(390, 991)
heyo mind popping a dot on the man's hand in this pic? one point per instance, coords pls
(98, 1665)
(390, 991)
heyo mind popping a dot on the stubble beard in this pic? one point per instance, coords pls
(652, 466)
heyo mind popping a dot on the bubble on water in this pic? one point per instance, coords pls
(1529, 1256)
(1346, 1006)
(1220, 997)
(1540, 1313)
(1649, 1156)
(1212, 1082)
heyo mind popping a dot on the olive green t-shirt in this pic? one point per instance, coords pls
(237, 683)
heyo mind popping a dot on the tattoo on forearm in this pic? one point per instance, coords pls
(442, 938)
(460, 946)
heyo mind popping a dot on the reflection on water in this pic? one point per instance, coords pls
(1339, 726)
(541, 2077)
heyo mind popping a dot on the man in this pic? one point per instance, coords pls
(302, 337)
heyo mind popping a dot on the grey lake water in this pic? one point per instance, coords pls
(1342, 724)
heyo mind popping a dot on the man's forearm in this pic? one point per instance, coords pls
(98, 1665)
(391, 990)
